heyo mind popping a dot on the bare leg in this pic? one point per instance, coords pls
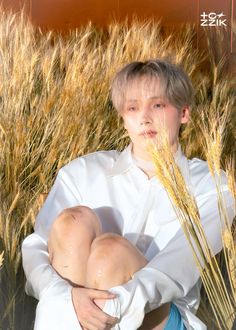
(157, 319)
(112, 261)
(81, 254)
(70, 241)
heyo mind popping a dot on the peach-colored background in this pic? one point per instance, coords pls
(68, 14)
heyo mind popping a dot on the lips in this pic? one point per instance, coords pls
(149, 133)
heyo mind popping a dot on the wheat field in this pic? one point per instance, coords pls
(55, 106)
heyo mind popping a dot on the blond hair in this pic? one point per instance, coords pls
(177, 85)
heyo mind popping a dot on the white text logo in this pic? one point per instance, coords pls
(213, 19)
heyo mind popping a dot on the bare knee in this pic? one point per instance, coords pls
(72, 219)
(70, 241)
(112, 261)
(72, 223)
(110, 239)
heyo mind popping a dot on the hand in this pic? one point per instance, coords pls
(90, 316)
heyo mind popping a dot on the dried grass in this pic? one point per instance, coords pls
(221, 298)
(54, 106)
(1, 258)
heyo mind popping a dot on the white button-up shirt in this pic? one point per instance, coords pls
(128, 203)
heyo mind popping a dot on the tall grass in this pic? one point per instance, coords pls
(221, 297)
(55, 106)
(1, 259)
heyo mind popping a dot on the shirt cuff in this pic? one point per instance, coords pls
(55, 310)
(147, 290)
(113, 306)
(128, 307)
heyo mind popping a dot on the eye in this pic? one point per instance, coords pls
(158, 105)
(131, 108)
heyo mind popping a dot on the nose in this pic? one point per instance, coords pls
(145, 117)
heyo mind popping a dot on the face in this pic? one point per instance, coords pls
(146, 111)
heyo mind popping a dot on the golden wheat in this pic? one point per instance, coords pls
(1, 258)
(187, 213)
(54, 106)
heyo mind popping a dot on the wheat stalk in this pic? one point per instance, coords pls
(54, 106)
(1, 258)
(187, 213)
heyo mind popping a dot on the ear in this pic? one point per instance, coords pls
(185, 115)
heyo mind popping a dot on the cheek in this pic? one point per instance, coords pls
(173, 120)
(128, 124)
(161, 118)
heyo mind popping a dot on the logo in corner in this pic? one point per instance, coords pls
(213, 19)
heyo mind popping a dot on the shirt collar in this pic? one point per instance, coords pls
(125, 162)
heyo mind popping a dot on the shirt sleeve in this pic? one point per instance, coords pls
(42, 281)
(172, 273)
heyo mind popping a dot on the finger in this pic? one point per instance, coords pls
(88, 326)
(103, 317)
(111, 320)
(96, 318)
(96, 312)
(101, 294)
(93, 324)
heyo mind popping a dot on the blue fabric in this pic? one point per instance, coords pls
(175, 321)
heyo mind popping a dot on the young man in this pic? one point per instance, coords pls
(124, 236)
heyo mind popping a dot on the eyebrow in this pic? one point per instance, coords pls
(150, 98)
(156, 97)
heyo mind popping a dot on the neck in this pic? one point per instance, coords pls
(146, 166)
(146, 156)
